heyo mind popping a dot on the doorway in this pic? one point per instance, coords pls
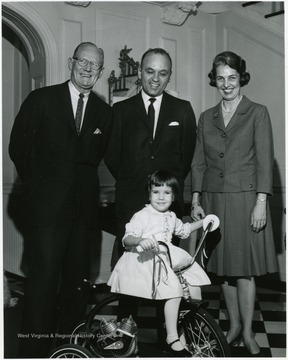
(23, 70)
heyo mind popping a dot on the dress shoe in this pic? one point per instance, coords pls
(252, 347)
(237, 340)
(179, 353)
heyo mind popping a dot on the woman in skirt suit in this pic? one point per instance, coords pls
(232, 178)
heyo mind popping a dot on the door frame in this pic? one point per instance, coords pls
(37, 39)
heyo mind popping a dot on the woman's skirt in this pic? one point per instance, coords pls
(239, 251)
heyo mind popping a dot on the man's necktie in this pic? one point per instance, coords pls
(151, 112)
(78, 117)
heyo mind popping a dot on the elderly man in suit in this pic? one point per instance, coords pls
(142, 143)
(57, 142)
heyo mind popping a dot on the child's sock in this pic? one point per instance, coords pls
(195, 292)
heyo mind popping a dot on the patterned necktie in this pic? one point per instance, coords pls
(151, 112)
(78, 117)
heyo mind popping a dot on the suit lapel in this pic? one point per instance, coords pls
(164, 115)
(218, 118)
(68, 110)
(237, 118)
(89, 114)
(66, 105)
(139, 108)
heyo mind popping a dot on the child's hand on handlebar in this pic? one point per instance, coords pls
(147, 244)
(211, 220)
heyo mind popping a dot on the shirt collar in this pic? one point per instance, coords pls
(150, 208)
(76, 92)
(146, 97)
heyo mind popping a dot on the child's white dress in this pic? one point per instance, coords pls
(143, 274)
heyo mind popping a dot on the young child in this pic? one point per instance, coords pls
(144, 269)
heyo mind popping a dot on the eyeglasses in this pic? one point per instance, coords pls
(85, 62)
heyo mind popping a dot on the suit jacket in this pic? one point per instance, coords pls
(133, 154)
(237, 158)
(49, 155)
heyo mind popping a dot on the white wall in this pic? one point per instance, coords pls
(192, 46)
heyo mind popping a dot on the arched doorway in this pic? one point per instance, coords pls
(26, 37)
(23, 70)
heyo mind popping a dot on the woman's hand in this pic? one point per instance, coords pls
(148, 244)
(258, 216)
(197, 212)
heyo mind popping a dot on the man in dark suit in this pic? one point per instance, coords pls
(57, 142)
(139, 145)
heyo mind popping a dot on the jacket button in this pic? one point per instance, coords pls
(152, 157)
(221, 155)
(221, 175)
(223, 135)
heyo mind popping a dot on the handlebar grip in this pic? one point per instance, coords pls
(211, 222)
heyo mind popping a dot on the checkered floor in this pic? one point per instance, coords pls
(269, 323)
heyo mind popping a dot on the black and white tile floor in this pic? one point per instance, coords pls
(269, 324)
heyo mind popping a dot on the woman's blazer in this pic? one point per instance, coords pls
(235, 158)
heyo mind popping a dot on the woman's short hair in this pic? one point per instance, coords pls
(162, 177)
(235, 62)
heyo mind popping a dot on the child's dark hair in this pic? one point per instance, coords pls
(162, 177)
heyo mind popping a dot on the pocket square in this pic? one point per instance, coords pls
(174, 123)
(97, 131)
